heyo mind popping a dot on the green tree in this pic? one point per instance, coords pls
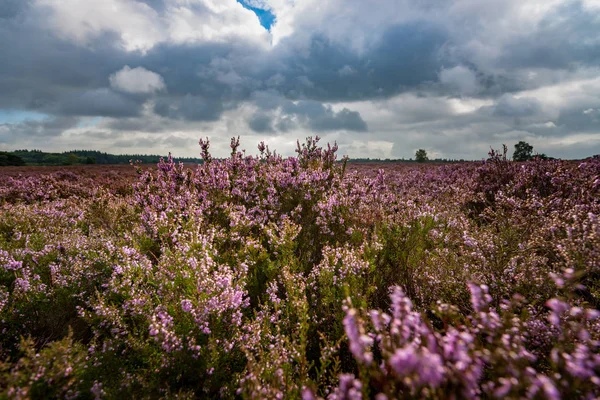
(421, 155)
(72, 159)
(523, 151)
(10, 159)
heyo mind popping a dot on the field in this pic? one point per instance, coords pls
(267, 278)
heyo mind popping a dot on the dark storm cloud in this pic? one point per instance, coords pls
(284, 114)
(49, 128)
(342, 120)
(204, 80)
(267, 100)
(158, 5)
(145, 141)
(100, 102)
(139, 142)
(578, 150)
(191, 108)
(291, 83)
(566, 38)
(404, 58)
(211, 69)
(11, 8)
(48, 74)
(180, 65)
(152, 125)
(261, 123)
(509, 106)
(579, 120)
(38, 69)
(178, 141)
(199, 108)
(322, 118)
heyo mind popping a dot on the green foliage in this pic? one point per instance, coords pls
(421, 155)
(397, 262)
(58, 371)
(37, 157)
(523, 151)
(261, 277)
(7, 159)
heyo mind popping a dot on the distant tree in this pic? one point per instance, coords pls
(421, 155)
(543, 156)
(72, 159)
(10, 159)
(523, 151)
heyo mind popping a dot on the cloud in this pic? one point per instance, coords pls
(11, 8)
(261, 123)
(565, 37)
(137, 81)
(510, 106)
(451, 76)
(404, 57)
(137, 25)
(158, 5)
(284, 115)
(346, 70)
(99, 102)
(189, 107)
(31, 131)
(344, 119)
(460, 78)
(141, 25)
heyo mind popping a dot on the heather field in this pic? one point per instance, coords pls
(261, 277)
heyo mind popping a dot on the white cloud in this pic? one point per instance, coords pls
(369, 148)
(346, 71)
(543, 126)
(575, 93)
(468, 105)
(592, 4)
(513, 78)
(192, 21)
(137, 80)
(460, 78)
(140, 27)
(339, 19)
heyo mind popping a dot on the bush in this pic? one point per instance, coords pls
(270, 277)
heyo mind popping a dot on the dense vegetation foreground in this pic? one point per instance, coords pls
(268, 278)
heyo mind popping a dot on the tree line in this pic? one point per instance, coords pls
(523, 152)
(78, 157)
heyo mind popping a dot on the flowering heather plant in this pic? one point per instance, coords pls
(258, 276)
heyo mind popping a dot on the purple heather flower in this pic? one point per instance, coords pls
(186, 305)
(358, 342)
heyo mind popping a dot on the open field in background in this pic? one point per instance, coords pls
(120, 178)
(261, 277)
(99, 173)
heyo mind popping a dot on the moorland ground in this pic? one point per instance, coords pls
(264, 277)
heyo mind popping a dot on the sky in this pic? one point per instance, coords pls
(383, 78)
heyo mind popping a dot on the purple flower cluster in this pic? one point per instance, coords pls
(259, 276)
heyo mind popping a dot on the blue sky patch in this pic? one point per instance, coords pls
(89, 122)
(265, 17)
(16, 116)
